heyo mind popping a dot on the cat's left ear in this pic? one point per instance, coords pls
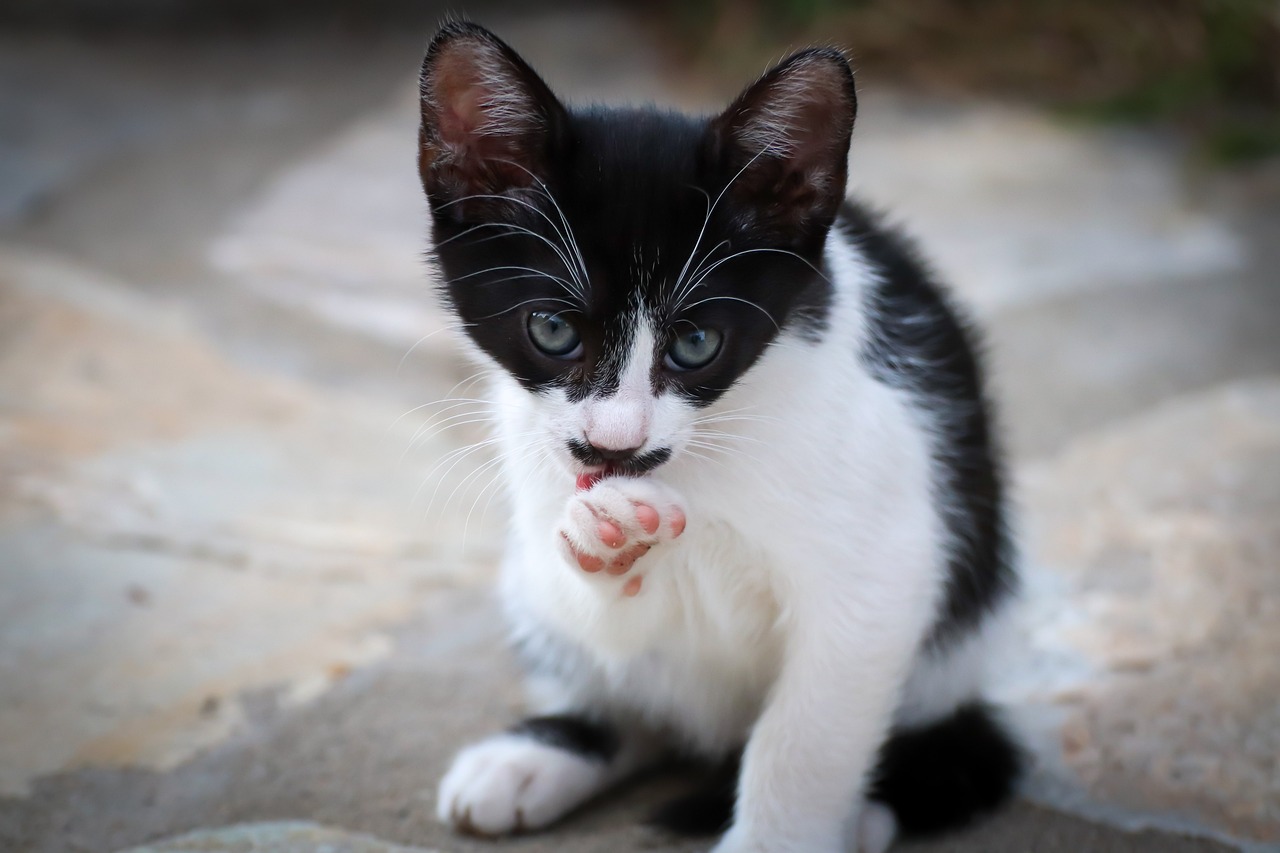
(784, 143)
(489, 123)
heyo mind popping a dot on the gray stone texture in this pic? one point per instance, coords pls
(244, 581)
(283, 837)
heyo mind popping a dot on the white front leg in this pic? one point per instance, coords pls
(854, 633)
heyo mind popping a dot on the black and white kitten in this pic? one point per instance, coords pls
(757, 513)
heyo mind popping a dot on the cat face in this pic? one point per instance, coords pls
(627, 267)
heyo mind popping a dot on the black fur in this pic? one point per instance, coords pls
(937, 778)
(947, 774)
(708, 810)
(918, 342)
(578, 735)
(632, 464)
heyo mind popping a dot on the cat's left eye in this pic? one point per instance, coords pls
(691, 350)
(554, 335)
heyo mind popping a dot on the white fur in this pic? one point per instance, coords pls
(623, 420)
(510, 783)
(789, 615)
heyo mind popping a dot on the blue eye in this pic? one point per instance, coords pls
(695, 349)
(554, 335)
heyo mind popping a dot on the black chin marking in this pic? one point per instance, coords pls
(635, 466)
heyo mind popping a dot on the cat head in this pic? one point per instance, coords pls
(627, 267)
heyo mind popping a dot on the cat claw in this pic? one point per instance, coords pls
(608, 527)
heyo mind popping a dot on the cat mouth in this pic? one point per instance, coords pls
(589, 478)
(594, 469)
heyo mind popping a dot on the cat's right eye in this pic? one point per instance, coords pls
(694, 349)
(554, 335)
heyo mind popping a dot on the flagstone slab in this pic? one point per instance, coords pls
(1153, 615)
(287, 837)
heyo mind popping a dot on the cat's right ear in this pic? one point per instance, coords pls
(489, 123)
(783, 144)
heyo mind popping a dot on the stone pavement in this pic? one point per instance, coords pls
(243, 581)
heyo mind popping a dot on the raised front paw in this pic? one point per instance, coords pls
(611, 525)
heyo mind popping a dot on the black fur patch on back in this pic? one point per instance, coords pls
(574, 734)
(947, 774)
(918, 342)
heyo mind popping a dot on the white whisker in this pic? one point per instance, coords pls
(528, 302)
(559, 252)
(737, 299)
(445, 328)
(706, 220)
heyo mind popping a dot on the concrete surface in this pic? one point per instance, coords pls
(280, 837)
(243, 580)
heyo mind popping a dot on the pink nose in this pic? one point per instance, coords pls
(620, 455)
(617, 429)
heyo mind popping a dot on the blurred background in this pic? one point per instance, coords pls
(247, 535)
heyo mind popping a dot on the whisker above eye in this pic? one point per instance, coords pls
(572, 305)
(707, 257)
(514, 200)
(577, 287)
(567, 236)
(531, 270)
(706, 220)
(695, 283)
(737, 299)
(529, 273)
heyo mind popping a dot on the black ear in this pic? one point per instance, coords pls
(488, 121)
(785, 141)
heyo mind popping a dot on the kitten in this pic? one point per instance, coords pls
(757, 513)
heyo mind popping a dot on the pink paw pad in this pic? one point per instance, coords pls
(677, 521)
(648, 518)
(612, 523)
(611, 534)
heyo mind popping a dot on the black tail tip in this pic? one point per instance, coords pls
(949, 773)
(706, 811)
(939, 777)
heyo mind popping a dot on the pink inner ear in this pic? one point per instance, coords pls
(789, 134)
(460, 116)
(799, 115)
(485, 121)
(460, 96)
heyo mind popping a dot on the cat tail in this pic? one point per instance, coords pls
(938, 777)
(947, 773)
